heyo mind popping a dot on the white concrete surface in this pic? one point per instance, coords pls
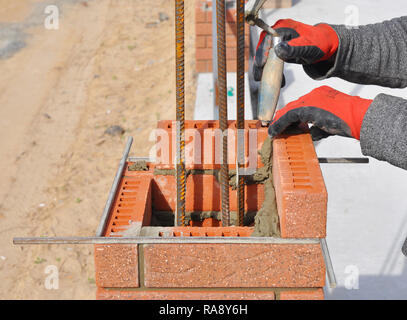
(204, 109)
(367, 206)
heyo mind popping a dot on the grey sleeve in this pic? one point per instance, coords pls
(384, 130)
(370, 54)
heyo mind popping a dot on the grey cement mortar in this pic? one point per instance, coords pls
(139, 166)
(266, 222)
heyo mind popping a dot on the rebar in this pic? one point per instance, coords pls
(240, 73)
(223, 109)
(152, 240)
(180, 113)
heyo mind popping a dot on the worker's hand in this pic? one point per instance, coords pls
(302, 43)
(330, 111)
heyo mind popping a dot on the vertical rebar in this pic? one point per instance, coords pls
(223, 108)
(180, 112)
(240, 73)
(215, 66)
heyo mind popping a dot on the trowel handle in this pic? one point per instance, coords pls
(270, 85)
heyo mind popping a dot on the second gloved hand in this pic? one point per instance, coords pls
(302, 44)
(330, 111)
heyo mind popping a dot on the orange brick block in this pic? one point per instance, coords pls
(211, 231)
(203, 29)
(300, 189)
(116, 266)
(203, 194)
(203, 144)
(104, 294)
(204, 66)
(132, 204)
(314, 294)
(233, 266)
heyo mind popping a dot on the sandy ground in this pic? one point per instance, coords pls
(108, 64)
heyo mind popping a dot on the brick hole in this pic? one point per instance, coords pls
(297, 163)
(132, 183)
(295, 153)
(301, 180)
(299, 169)
(299, 186)
(123, 217)
(300, 174)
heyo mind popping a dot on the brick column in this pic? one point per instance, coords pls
(203, 30)
(286, 269)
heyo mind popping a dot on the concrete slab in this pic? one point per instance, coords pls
(367, 204)
(204, 109)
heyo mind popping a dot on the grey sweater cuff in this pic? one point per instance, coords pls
(384, 130)
(326, 69)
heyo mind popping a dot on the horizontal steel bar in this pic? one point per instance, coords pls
(343, 160)
(135, 159)
(159, 240)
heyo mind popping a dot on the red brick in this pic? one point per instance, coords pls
(200, 15)
(316, 294)
(300, 189)
(116, 266)
(203, 194)
(199, 154)
(103, 294)
(231, 15)
(201, 42)
(132, 202)
(203, 54)
(211, 231)
(203, 29)
(202, 65)
(233, 265)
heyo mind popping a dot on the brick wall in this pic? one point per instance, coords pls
(203, 30)
(213, 271)
(283, 270)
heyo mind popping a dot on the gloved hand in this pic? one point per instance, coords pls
(302, 43)
(330, 111)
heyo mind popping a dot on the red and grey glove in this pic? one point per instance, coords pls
(302, 43)
(330, 111)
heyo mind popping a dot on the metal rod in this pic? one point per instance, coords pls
(158, 240)
(103, 221)
(328, 262)
(179, 218)
(215, 65)
(223, 109)
(343, 160)
(240, 73)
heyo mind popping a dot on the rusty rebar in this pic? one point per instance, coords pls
(240, 73)
(223, 108)
(180, 112)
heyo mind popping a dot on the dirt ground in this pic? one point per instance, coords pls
(111, 62)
